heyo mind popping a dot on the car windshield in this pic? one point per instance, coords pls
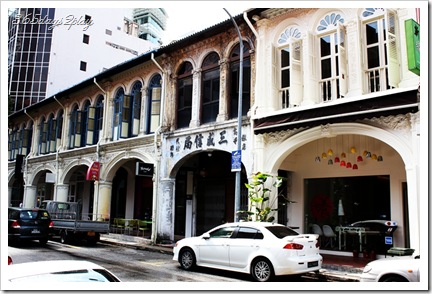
(281, 231)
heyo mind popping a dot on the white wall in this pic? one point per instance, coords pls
(68, 48)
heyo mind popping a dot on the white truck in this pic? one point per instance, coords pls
(70, 224)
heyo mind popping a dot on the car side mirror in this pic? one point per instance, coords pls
(206, 236)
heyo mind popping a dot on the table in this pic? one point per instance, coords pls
(360, 231)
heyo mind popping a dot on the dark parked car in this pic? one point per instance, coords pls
(29, 224)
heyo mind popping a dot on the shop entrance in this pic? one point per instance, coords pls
(343, 201)
(205, 188)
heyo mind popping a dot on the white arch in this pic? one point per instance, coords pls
(276, 155)
(110, 169)
(39, 169)
(73, 164)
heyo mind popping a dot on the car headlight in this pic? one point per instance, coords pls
(367, 269)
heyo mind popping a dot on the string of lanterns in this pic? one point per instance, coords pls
(343, 161)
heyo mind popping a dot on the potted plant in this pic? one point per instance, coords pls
(259, 196)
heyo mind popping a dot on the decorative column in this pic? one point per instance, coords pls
(223, 97)
(62, 192)
(104, 199)
(30, 192)
(196, 99)
(171, 102)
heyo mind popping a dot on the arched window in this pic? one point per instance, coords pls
(234, 80)
(210, 88)
(332, 57)
(184, 95)
(127, 112)
(382, 70)
(51, 134)
(118, 116)
(98, 119)
(135, 113)
(154, 102)
(290, 66)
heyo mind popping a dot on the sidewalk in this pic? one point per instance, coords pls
(334, 268)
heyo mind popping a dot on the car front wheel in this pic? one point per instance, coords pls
(187, 259)
(262, 270)
(394, 279)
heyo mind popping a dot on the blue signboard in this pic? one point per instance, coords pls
(389, 240)
(236, 161)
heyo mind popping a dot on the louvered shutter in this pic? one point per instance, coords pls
(392, 50)
(343, 79)
(91, 115)
(296, 86)
(125, 117)
(52, 136)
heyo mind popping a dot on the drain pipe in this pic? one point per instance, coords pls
(250, 25)
(158, 132)
(96, 203)
(30, 153)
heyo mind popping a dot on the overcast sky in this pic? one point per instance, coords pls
(182, 20)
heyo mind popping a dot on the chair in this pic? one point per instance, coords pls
(121, 223)
(131, 225)
(329, 234)
(142, 226)
(316, 229)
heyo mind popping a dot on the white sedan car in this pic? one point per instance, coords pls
(260, 248)
(59, 271)
(394, 269)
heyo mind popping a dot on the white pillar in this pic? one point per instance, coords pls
(29, 196)
(196, 99)
(61, 192)
(104, 201)
(166, 206)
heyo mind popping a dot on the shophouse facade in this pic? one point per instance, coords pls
(338, 111)
(318, 84)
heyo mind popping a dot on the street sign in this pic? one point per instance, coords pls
(236, 161)
(388, 240)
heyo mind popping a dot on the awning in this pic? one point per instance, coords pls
(384, 105)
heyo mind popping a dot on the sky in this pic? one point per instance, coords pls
(183, 21)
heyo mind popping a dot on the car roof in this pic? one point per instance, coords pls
(252, 224)
(51, 266)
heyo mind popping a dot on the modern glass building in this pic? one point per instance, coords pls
(152, 23)
(29, 46)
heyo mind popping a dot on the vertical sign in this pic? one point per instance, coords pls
(236, 161)
(412, 34)
(93, 172)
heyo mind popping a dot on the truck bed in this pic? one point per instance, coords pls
(102, 227)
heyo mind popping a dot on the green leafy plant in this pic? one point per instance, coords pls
(259, 191)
